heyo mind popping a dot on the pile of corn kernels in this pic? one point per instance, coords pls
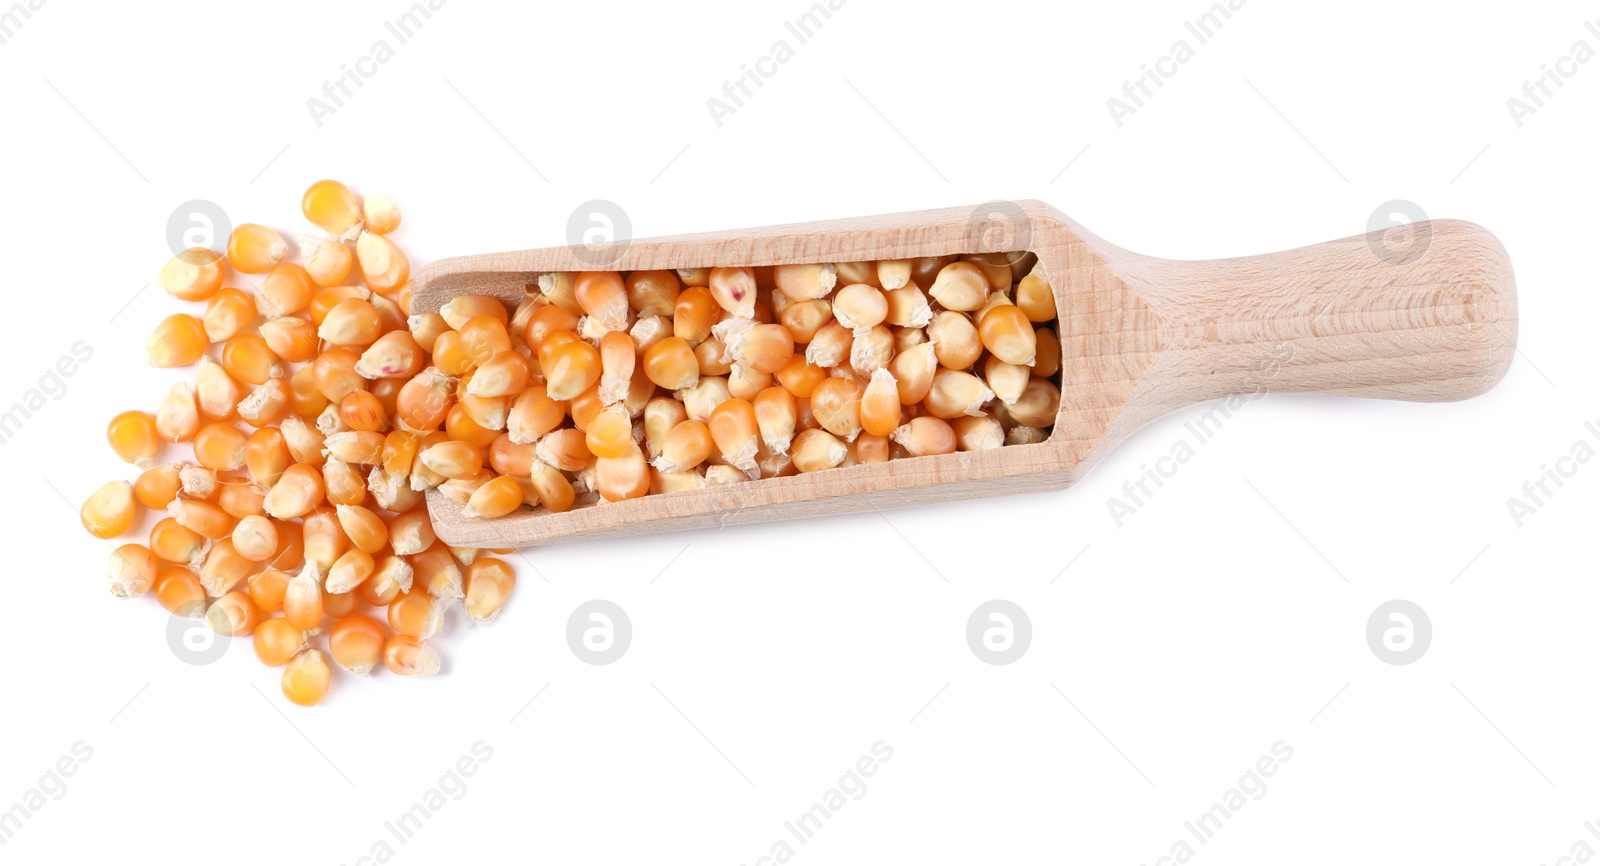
(327, 410)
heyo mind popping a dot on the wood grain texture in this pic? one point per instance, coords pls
(1141, 337)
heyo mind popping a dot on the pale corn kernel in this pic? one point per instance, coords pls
(393, 312)
(325, 299)
(1007, 381)
(558, 289)
(604, 298)
(174, 543)
(504, 375)
(202, 517)
(1038, 405)
(285, 290)
(331, 206)
(489, 583)
(216, 392)
(179, 591)
(693, 276)
(305, 442)
(392, 490)
(955, 393)
(192, 275)
(355, 446)
(908, 307)
(437, 572)
(955, 339)
(734, 289)
(1020, 435)
(836, 404)
(806, 282)
(925, 435)
(457, 460)
(299, 490)
(894, 273)
(871, 449)
(906, 338)
(671, 364)
(356, 643)
(831, 345)
(255, 249)
(1008, 334)
(130, 570)
(618, 356)
(767, 348)
(241, 499)
(880, 404)
(411, 532)
(198, 481)
(649, 330)
(859, 306)
(233, 615)
(423, 478)
(266, 404)
(134, 437)
(800, 377)
(460, 490)
(349, 570)
(550, 488)
(802, 319)
(570, 367)
(351, 322)
(695, 313)
(685, 446)
(461, 309)
(380, 213)
(277, 641)
(704, 398)
(322, 539)
(960, 286)
(390, 577)
(228, 312)
(624, 477)
(978, 432)
(745, 383)
(721, 474)
(302, 598)
(366, 530)
(1047, 360)
(385, 268)
(255, 538)
(426, 328)
(858, 272)
(1035, 298)
(816, 450)
(178, 416)
(306, 677)
(110, 509)
(178, 341)
(776, 418)
(533, 415)
(996, 268)
(653, 293)
(219, 447)
(425, 400)
(291, 338)
(497, 497)
(661, 414)
(158, 486)
(225, 568)
(248, 358)
(407, 656)
(871, 351)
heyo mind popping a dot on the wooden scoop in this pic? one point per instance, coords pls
(1140, 337)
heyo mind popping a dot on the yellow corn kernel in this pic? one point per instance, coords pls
(610, 433)
(831, 345)
(302, 598)
(339, 604)
(503, 375)
(157, 486)
(604, 297)
(349, 571)
(366, 530)
(192, 275)
(393, 355)
(566, 449)
(385, 268)
(458, 460)
(570, 367)
(351, 322)
(179, 591)
(241, 499)
(304, 398)
(391, 576)
(671, 364)
(134, 437)
(1007, 333)
(225, 568)
(266, 456)
(880, 404)
(734, 290)
(424, 400)
(219, 447)
(335, 374)
(343, 484)
(618, 358)
(298, 491)
(496, 498)
(284, 291)
(267, 589)
(661, 414)
(255, 538)
(995, 267)
(653, 293)
(130, 570)
(110, 509)
(427, 328)
(836, 404)
(329, 260)
(859, 306)
(1038, 405)
(363, 412)
(411, 532)
(178, 417)
(694, 314)
(799, 377)
(233, 615)
(255, 249)
(173, 543)
(179, 340)
(356, 643)
(955, 339)
(710, 354)
(815, 450)
(549, 489)
(894, 274)
(767, 348)
(277, 641)
(871, 350)
(871, 449)
(331, 206)
(776, 416)
(437, 572)
(266, 404)
(1047, 359)
(460, 490)
(489, 584)
(488, 413)
(461, 309)
(228, 312)
(1035, 298)
(407, 656)
(624, 477)
(364, 447)
(960, 286)
(415, 613)
(325, 299)
(858, 272)
(955, 393)
(306, 678)
(202, 517)
(735, 432)
(380, 213)
(694, 276)
(925, 435)
(304, 441)
(688, 444)
(248, 358)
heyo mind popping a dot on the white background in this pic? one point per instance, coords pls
(1168, 657)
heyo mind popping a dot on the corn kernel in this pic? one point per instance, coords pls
(489, 584)
(179, 591)
(380, 213)
(306, 677)
(110, 510)
(407, 656)
(331, 206)
(233, 615)
(255, 249)
(192, 275)
(178, 341)
(277, 641)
